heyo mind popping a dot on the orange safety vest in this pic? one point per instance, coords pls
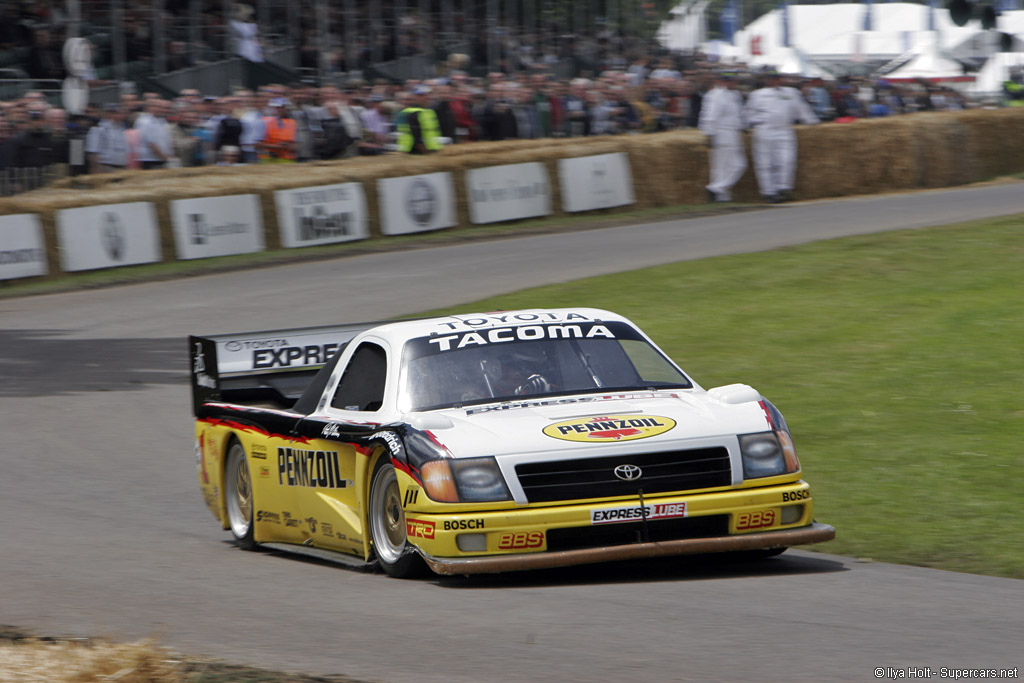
(280, 131)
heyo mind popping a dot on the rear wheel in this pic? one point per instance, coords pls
(238, 489)
(387, 525)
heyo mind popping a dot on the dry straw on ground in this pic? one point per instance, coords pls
(40, 661)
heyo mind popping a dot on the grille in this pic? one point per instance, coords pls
(631, 532)
(594, 477)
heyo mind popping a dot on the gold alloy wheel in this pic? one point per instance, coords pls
(387, 518)
(238, 489)
(243, 490)
(394, 517)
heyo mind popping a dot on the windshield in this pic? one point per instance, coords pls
(466, 368)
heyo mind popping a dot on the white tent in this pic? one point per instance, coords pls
(687, 29)
(995, 72)
(849, 38)
(926, 61)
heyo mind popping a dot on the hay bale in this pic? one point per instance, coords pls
(895, 153)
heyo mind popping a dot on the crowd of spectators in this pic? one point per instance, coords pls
(300, 122)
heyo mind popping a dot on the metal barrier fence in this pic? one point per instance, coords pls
(15, 180)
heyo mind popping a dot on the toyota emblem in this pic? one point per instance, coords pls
(628, 472)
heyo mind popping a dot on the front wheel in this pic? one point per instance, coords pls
(387, 525)
(238, 489)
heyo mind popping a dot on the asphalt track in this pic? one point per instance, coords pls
(104, 532)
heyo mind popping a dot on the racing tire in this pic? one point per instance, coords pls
(239, 498)
(393, 553)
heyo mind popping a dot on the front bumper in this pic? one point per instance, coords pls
(815, 533)
(600, 530)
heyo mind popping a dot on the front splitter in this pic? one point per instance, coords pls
(815, 533)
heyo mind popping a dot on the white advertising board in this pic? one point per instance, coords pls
(595, 182)
(308, 216)
(108, 236)
(22, 250)
(416, 203)
(217, 226)
(508, 193)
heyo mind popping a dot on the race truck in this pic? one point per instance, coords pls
(487, 443)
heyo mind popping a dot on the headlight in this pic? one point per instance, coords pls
(768, 454)
(473, 480)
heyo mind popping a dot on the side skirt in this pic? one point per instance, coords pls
(349, 561)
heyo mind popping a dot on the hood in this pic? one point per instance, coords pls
(641, 421)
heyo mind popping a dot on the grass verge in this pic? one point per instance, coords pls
(896, 359)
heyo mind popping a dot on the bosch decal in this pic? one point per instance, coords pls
(802, 494)
(610, 428)
(459, 524)
(635, 513)
(311, 469)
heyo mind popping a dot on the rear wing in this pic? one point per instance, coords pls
(275, 366)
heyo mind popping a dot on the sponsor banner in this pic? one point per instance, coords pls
(308, 216)
(508, 193)
(595, 182)
(416, 203)
(634, 513)
(610, 428)
(108, 236)
(217, 226)
(22, 250)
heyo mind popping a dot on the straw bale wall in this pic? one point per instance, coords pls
(879, 155)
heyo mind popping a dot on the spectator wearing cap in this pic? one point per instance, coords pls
(721, 120)
(418, 130)
(279, 143)
(106, 145)
(772, 110)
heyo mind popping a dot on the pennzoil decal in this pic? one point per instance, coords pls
(610, 428)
